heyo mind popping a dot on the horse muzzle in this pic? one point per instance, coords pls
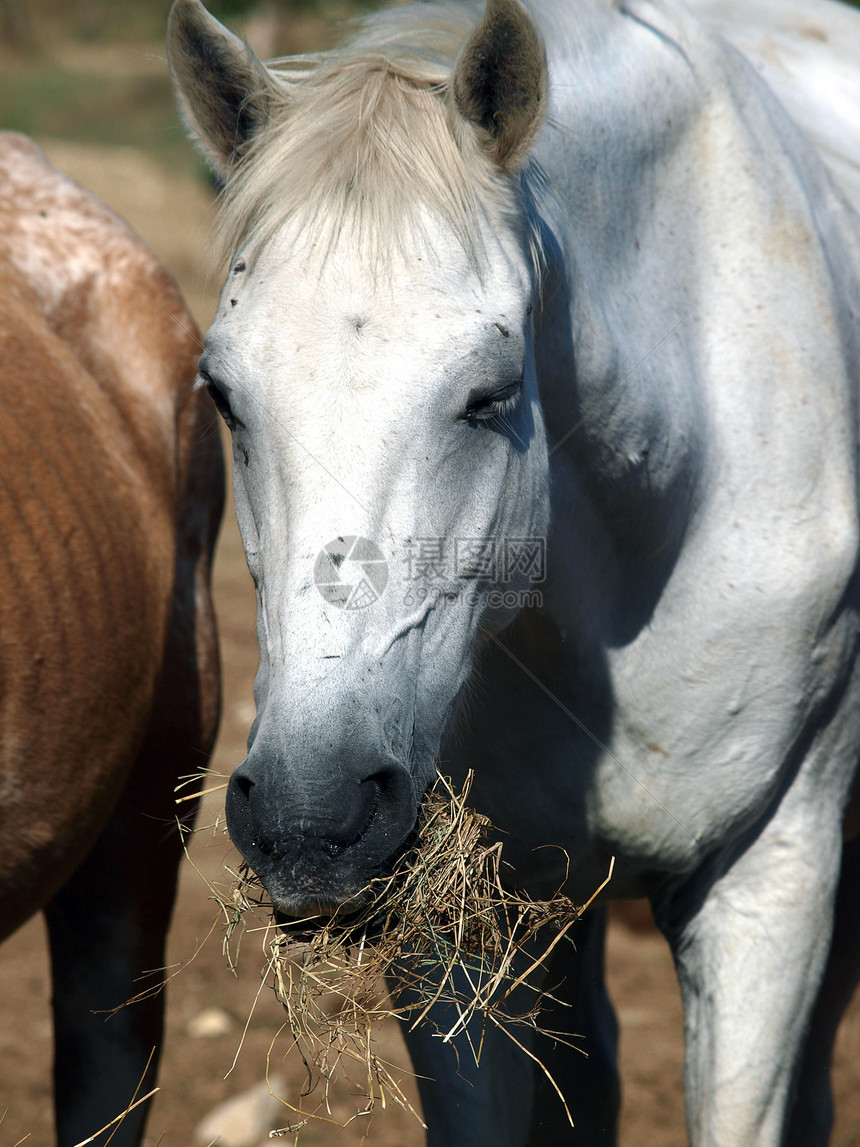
(316, 836)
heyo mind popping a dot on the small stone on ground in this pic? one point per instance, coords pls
(209, 1023)
(244, 1120)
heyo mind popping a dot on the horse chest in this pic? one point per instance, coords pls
(663, 749)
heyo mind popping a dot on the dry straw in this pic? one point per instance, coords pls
(449, 936)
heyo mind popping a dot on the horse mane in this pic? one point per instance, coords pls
(366, 135)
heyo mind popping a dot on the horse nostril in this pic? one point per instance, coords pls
(381, 779)
(362, 818)
(242, 783)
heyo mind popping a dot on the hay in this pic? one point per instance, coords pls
(442, 928)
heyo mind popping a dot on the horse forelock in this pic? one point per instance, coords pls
(365, 138)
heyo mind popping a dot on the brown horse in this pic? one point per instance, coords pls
(111, 490)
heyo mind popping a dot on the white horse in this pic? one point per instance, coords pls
(539, 346)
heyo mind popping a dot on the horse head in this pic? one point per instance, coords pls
(372, 356)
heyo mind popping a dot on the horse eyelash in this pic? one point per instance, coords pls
(496, 409)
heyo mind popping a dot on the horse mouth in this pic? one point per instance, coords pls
(360, 913)
(349, 922)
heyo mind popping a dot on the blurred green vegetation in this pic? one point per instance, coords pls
(94, 71)
(116, 21)
(89, 105)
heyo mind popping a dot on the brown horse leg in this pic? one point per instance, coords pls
(812, 1113)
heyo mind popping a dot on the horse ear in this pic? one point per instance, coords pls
(500, 81)
(225, 93)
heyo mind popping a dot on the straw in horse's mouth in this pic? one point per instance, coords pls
(439, 924)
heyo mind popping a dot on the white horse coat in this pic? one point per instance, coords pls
(607, 299)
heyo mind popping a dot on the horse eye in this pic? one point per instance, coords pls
(493, 407)
(217, 396)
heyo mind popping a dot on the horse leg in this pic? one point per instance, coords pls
(467, 1103)
(106, 927)
(580, 1009)
(750, 939)
(812, 1112)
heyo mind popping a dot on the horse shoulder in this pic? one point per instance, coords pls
(99, 289)
(94, 289)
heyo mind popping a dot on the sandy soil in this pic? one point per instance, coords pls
(199, 1072)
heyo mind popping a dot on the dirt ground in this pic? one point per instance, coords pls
(198, 1071)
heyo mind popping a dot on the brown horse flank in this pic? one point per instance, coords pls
(110, 496)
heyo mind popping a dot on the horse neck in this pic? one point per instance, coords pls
(671, 168)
